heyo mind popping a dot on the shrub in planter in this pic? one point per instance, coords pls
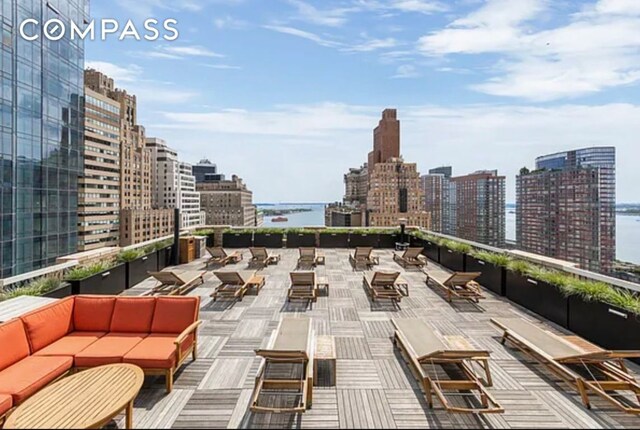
(334, 239)
(237, 239)
(388, 239)
(100, 279)
(492, 266)
(363, 238)
(268, 238)
(45, 287)
(300, 238)
(208, 233)
(138, 262)
(453, 255)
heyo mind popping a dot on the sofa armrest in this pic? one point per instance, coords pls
(189, 330)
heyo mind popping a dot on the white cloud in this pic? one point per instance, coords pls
(129, 73)
(406, 71)
(406, 6)
(228, 22)
(147, 8)
(303, 34)
(334, 17)
(596, 50)
(373, 45)
(174, 52)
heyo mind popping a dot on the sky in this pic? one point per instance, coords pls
(286, 93)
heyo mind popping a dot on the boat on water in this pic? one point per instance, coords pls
(280, 219)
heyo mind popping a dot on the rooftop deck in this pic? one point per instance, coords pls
(375, 388)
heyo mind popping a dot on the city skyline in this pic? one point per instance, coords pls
(456, 96)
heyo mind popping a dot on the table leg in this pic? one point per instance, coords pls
(129, 415)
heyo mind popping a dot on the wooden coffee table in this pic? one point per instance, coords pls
(89, 399)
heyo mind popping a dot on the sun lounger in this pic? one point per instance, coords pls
(424, 349)
(220, 257)
(261, 257)
(174, 283)
(286, 370)
(362, 258)
(234, 285)
(309, 258)
(592, 371)
(460, 286)
(303, 286)
(382, 285)
(412, 257)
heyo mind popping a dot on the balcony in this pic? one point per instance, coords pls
(374, 386)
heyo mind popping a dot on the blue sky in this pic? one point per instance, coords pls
(285, 93)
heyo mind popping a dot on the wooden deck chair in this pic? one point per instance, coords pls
(412, 257)
(423, 349)
(219, 256)
(286, 370)
(308, 257)
(303, 286)
(175, 284)
(460, 285)
(233, 285)
(601, 372)
(261, 257)
(362, 258)
(382, 285)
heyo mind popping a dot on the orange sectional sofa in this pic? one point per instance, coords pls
(155, 333)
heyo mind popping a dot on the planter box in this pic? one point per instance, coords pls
(138, 270)
(452, 260)
(493, 277)
(211, 240)
(388, 240)
(163, 257)
(109, 283)
(364, 240)
(334, 240)
(63, 291)
(268, 240)
(539, 297)
(237, 240)
(604, 325)
(431, 250)
(301, 240)
(415, 242)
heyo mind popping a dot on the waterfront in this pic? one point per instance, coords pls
(628, 227)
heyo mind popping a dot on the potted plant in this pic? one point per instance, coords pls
(99, 278)
(237, 238)
(138, 263)
(301, 238)
(364, 238)
(539, 290)
(453, 255)
(492, 266)
(334, 238)
(268, 238)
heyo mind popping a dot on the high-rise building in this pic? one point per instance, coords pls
(41, 134)
(228, 203)
(139, 220)
(566, 207)
(437, 188)
(189, 198)
(206, 171)
(480, 207)
(341, 215)
(386, 139)
(356, 184)
(99, 183)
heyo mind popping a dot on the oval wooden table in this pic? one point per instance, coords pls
(89, 399)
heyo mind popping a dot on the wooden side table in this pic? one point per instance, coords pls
(323, 282)
(325, 352)
(403, 286)
(257, 282)
(89, 399)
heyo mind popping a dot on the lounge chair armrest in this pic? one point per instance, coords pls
(625, 354)
(189, 330)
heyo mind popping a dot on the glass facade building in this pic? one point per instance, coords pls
(41, 132)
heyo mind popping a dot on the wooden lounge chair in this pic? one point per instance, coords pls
(362, 258)
(422, 348)
(382, 285)
(286, 370)
(220, 257)
(601, 372)
(460, 285)
(412, 257)
(260, 257)
(175, 284)
(303, 286)
(309, 258)
(234, 285)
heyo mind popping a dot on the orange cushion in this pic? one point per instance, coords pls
(108, 349)
(133, 315)
(156, 352)
(48, 324)
(174, 314)
(93, 313)
(12, 333)
(28, 376)
(6, 403)
(71, 344)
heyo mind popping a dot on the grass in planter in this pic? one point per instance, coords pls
(462, 248)
(162, 245)
(299, 231)
(35, 288)
(130, 255)
(494, 258)
(204, 232)
(592, 291)
(84, 272)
